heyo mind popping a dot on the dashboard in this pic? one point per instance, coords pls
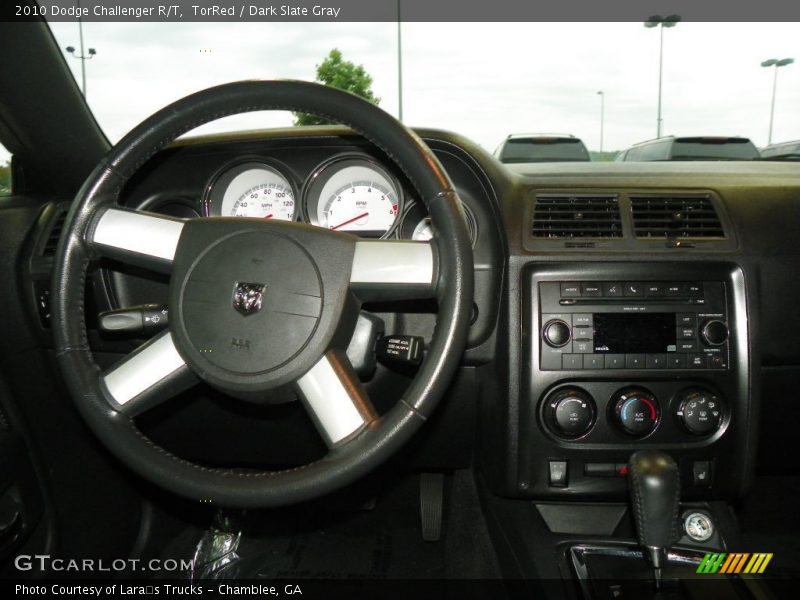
(617, 306)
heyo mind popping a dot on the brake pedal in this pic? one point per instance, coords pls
(431, 503)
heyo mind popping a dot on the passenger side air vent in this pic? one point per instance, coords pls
(671, 217)
(50, 245)
(576, 216)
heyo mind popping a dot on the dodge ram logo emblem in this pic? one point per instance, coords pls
(247, 297)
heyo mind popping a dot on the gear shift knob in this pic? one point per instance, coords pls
(655, 493)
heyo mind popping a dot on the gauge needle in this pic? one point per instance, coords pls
(269, 216)
(356, 218)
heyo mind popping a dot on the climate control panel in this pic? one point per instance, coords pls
(604, 412)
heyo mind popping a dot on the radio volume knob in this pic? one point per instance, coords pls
(556, 333)
(714, 333)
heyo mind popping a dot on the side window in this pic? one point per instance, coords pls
(5, 172)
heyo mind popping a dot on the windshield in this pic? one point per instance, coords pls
(490, 80)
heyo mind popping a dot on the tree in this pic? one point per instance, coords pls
(5, 179)
(343, 75)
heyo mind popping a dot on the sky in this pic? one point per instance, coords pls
(482, 80)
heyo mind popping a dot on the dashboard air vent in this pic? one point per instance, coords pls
(670, 217)
(576, 216)
(49, 248)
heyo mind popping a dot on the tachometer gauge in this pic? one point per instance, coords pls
(354, 195)
(252, 189)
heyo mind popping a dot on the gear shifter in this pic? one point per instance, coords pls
(655, 493)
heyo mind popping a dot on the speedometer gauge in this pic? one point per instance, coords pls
(353, 194)
(252, 189)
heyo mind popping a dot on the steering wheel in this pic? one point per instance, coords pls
(257, 304)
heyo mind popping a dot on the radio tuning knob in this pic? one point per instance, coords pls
(556, 333)
(714, 333)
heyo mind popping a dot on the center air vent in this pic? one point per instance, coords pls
(576, 216)
(675, 217)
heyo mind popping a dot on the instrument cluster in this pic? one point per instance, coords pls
(349, 192)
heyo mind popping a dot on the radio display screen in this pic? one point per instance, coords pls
(649, 333)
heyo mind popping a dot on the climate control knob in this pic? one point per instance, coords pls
(714, 333)
(635, 411)
(570, 412)
(556, 333)
(699, 411)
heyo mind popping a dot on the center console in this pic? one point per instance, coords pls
(624, 356)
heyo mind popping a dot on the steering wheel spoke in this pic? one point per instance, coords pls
(393, 270)
(136, 238)
(150, 375)
(335, 399)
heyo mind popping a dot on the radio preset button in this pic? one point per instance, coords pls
(593, 361)
(556, 333)
(635, 361)
(615, 361)
(572, 362)
(656, 361)
(676, 361)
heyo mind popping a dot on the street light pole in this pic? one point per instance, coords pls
(661, 23)
(83, 57)
(777, 63)
(602, 116)
(399, 65)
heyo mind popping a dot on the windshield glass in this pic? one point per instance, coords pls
(488, 81)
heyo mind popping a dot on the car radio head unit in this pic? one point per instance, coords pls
(632, 325)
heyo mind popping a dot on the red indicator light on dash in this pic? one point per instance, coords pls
(622, 471)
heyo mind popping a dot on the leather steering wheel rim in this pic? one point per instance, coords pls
(452, 286)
